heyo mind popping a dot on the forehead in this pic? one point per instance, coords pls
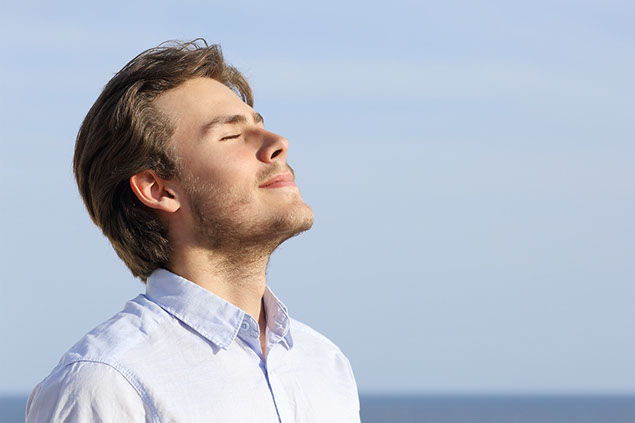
(199, 99)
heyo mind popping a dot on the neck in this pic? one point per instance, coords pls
(237, 278)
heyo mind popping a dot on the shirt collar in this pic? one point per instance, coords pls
(214, 318)
(278, 320)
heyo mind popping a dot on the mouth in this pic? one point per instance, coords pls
(283, 180)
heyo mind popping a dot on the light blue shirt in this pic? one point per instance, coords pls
(182, 354)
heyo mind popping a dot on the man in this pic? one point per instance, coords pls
(194, 194)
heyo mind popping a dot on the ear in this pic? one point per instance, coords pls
(155, 192)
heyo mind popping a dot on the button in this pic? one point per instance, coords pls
(244, 326)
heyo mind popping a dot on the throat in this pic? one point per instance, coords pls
(262, 323)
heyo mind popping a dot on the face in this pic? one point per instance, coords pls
(240, 189)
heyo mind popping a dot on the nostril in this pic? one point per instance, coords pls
(275, 153)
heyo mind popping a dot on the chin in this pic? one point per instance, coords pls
(285, 226)
(244, 230)
(296, 221)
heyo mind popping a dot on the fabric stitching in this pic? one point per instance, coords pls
(129, 377)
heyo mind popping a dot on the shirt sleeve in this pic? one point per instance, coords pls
(86, 392)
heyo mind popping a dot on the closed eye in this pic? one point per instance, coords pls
(230, 137)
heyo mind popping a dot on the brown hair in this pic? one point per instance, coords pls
(123, 134)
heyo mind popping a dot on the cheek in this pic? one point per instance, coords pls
(229, 178)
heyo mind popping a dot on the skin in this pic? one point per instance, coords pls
(223, 224)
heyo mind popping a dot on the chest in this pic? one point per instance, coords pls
(235, 385)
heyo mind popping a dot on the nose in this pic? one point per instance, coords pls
(272, 147)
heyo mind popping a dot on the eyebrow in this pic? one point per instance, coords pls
(230, 119)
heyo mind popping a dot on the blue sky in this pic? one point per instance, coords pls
(470, 165)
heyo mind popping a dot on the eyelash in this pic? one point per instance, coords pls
(230, 137)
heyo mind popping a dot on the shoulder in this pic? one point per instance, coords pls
(86, 391)
(327, 361)
(124, 332)
(299, 329)
(94, 375)
(319, 347)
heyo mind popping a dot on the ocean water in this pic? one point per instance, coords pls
(498, 409)
(12, 408)
(457, 409)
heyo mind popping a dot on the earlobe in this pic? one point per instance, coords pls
(154, 192)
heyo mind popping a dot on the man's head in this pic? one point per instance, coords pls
(170, 155)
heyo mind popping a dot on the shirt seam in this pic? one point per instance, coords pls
(129, 377)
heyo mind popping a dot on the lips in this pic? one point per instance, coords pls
(283, 180)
